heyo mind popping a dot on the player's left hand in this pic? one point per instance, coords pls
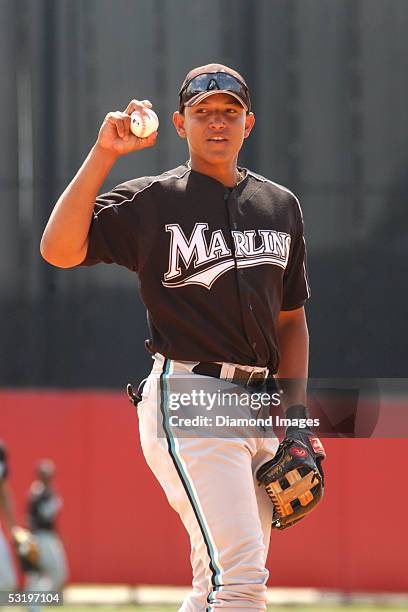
(311, 441)
(294, 478)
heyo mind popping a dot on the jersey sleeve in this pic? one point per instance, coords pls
(113, 233)
(296, 288)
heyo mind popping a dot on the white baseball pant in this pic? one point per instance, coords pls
(8, 578)
(210, 482)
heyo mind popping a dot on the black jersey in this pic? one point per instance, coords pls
(3, 462)
(215, 265)
(43, 507)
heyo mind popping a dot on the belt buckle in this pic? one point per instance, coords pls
(260, 381)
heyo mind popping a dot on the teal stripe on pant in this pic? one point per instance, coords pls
(215, 578)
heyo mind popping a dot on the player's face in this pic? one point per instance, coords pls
(215, 128)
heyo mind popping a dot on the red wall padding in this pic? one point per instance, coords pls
(117, 526)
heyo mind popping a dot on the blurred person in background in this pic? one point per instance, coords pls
(43, 508)
(8, 578)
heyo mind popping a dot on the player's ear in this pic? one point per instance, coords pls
(249, 124)
(178, 121)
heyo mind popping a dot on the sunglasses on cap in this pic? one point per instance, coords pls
(201, 86)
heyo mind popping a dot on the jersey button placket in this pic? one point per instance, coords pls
(243, 293)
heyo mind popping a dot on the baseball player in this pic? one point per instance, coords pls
(25, 546)
(8, 578)
(43, 508)
(220, 257)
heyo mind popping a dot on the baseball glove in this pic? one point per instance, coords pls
(294, 478)
(26, 549)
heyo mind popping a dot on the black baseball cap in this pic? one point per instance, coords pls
(210, 79)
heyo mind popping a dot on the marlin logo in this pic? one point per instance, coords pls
(198, 261)
(212, 85)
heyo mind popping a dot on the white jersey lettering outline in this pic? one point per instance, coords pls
(273, 249)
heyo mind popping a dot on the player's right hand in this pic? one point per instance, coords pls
(115, 135)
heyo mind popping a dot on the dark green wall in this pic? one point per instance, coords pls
(329, 84)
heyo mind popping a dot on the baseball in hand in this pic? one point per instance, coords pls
(143, 124)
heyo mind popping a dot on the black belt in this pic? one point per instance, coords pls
(240, 377)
